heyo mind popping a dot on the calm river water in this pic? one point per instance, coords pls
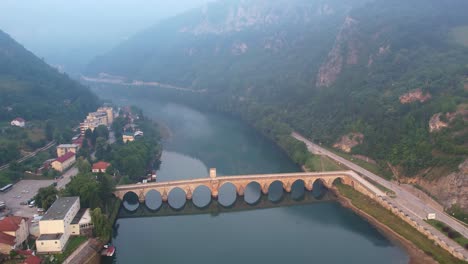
(315, 232)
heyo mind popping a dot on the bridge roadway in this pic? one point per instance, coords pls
(241, 181)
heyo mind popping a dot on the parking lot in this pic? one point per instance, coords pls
(22, 192)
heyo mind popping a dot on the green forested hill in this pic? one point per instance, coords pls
(31, 89)
(50, 102)
(324, 68)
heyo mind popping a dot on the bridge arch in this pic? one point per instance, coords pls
(253, 192)
(177, 198)
(153, 199)
(201, 196)
(298, 188)
(275, 191)
(130, 201)
(228, 193)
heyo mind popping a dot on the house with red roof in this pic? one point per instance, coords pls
(13, 232)
(64, 162)
(100, 166)
(32, 260)
(19, 122)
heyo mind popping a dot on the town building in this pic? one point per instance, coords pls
(109, 112)
(138, 133)
(81, 223)
(100, 166)
(128, 137)
(13, 232)
(103, 116)
(64, 148)
(19, 122)
(54, 227)
(64, 162)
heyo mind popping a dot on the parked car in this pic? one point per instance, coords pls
(24, 203)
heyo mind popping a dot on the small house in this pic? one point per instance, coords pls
(13, 232)
(100, 166)
(128, 137)
(19, 122)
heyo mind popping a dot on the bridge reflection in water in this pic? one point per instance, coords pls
(131, 207)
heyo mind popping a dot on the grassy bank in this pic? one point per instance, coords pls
(449, 232)
(396, 224)
(72, 245)
(321, 163)
(374, 168)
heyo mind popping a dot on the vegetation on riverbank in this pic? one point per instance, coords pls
(396, 224)
(448, 231)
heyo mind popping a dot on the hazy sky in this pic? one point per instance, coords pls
(70, 32)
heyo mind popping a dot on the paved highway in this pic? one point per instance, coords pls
(404, 199)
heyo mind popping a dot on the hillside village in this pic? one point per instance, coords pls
(34, 220)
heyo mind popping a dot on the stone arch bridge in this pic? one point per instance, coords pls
(240, 182)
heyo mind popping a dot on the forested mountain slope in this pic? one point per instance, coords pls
(383, 79)
(49, 101)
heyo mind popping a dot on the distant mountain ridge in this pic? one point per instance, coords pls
(390, 72)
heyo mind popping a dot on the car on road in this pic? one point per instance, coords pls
(24, 203)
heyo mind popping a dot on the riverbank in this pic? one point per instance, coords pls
(419, 248)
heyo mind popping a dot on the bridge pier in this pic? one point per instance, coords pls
(240, 190)
(164, 196)
(309, 185)
(265, 188)
(188, 194)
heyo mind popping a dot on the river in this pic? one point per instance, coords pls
(318, 231)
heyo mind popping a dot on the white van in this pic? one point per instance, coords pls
(32, 203)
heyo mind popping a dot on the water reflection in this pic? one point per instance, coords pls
(216, 206)
(275, 191)
(130, 201)
(177, 198)
(153, 200)
(201, 196)
(227, 194)
(252, 193)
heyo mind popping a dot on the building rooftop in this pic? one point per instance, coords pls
(7, 239)
(19, 119)
(32, 260)
(82, 217)
(65, 157)
(10, 223)
(67, 146)
(101, 165)
(59, 208)
(50, 236)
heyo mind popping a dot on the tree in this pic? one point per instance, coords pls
(102, 226)
(101, 131)
(83, 165)
(86, 187)
(46, 196)
(101, 148)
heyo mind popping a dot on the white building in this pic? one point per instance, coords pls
(19, 122)
(54, 227)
